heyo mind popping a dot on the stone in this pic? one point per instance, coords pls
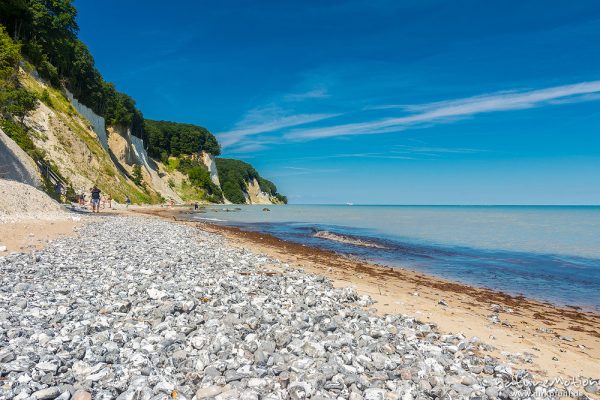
(209, 391)
(47, 367)
(48, 393)
(468, 380)
(592, 388)
(81, 395)
(313, 349)
(299, 390)
(374, 394)
(6, 356)
(492, 392)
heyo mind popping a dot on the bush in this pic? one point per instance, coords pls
(45, 98)
(233, 192)
(199, 177)
(17, 133)
(138, 178)
(19, 102)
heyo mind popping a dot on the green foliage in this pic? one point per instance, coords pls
(20, 103)
(234, 175)
(45, 98)
(15, 101)
(10, 55)
(281, 198)
(18, 133)
(138, 179)
(199, 177)
(176, 139)
(45, 32)
(48, 31)
(233, 192)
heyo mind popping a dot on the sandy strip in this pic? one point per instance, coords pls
(527, 336)
(33, 235)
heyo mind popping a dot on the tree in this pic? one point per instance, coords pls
(178, 139)
(15, 101)
(138, 178)
(234, 176)
(48, 30)
(20, 102)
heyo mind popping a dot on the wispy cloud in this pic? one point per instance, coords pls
(265, 120)
(378, 155)
(444, 111)
(295, 171)
(405, 149)
(310, 94)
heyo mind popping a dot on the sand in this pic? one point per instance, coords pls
(33, 235)
(29, 218)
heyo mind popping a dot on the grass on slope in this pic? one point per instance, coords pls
(76, 129)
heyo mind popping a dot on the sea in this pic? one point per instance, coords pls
(549, 253)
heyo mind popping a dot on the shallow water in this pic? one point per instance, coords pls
(548, 253)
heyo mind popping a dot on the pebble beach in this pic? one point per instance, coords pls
(145, 308)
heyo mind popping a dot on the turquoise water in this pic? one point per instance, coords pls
(545, 252)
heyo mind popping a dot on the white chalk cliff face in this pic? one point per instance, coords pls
(15, 164)
(209, 160)
(254, 195)
(119, 142)
(129, 150)
(98, 124)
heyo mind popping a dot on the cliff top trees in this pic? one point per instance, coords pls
(176, 139)
(48, 30)
(15, 101)
(233, 175)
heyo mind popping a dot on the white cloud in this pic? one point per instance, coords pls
(454, 109)
(311, 94)
(265, 120)
(404, 149)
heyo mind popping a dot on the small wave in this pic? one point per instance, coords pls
(347, 239)
(211, 219)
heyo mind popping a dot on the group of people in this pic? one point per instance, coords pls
(97, 199)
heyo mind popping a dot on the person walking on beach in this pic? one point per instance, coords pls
(58, 189)
(95, 199)
(109, 200)
(127, 201)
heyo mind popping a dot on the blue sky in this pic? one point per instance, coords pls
(388, 102)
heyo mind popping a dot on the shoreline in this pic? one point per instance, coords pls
(551, 341)
(178, 311)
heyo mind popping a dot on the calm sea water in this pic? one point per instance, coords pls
(548, 253)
